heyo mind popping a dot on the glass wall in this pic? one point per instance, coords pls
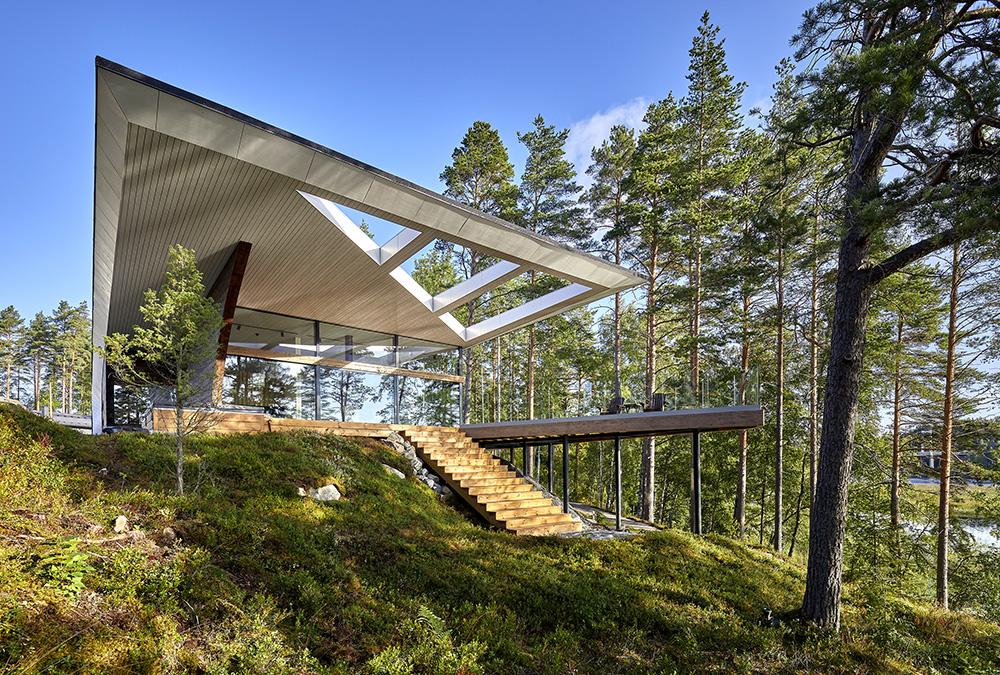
(280, 389)
(358, 375)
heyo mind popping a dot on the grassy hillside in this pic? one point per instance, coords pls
(245, 575)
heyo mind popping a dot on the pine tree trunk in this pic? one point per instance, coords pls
(740, 511)
(763, 510)
(38, 381)
(696, 329)
(779, 402)
(944, 501)
(897, 397)
(179, 422)
(814, 357)
(617, 327)
(828, 515)
(647, 494)
(798, 505)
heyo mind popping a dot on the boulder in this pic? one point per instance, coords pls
(395, 472)
(327, 493)
(168, 536)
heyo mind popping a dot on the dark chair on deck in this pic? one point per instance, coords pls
(618, 405)
(656, 403)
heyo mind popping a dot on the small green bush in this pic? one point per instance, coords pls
(427, 647)
(63, 566)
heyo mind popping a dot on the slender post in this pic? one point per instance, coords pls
(524, 458)
(618, 483)
(510, 454)
(317, 409)
(395, 380)
(696, 482)
(565, 471)
(551, 468)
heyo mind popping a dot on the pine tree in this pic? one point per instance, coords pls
(711, 122)
(179, 336)
(11, 344)
(648, 230)
(745, 260)
(787, 184)
(891, 79)
(607, 198)
(38, 345)
(548, 204)
(480, 175)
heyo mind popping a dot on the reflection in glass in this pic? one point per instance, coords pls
(272, 332)
(349, 396)
(281, 389)
(428, 402)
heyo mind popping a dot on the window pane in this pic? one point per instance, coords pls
(353, 396)
(428, 402)
(280, 389)
(272, 332)
(354, 344)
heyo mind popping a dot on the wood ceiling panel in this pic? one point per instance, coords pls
(300, 264)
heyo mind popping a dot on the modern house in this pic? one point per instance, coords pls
(324, 323)
(313, 305)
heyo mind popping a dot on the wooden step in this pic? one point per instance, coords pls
(479, 482)
(495, 490)
(548, 529)
(515, 510)
(455, 464)
(534, 520)
(464, 473)
(456, 454)
(510, 497)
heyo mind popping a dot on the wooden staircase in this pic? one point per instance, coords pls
(498, 494)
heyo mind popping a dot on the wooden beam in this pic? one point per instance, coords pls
(226, 292)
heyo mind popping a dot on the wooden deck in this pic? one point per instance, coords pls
(575, 429)
(606, 427)
(229, 422)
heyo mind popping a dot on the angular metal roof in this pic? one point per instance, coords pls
(172, 167)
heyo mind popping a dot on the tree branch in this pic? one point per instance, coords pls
(918, 250)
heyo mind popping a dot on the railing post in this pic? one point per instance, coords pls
(618, 483)
(524, 458)
(565, 474)
(696, 482)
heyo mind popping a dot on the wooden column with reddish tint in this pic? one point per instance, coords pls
(226, 292)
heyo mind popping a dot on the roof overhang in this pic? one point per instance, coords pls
(172, 167)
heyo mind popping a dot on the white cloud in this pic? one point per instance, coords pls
(590, 132)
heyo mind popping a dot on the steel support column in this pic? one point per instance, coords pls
(696, 482)
(317, 407)
(618, 483)
(565, 472)
(395, 380)
(551, 468)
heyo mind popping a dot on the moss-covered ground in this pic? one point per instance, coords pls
(245, 575)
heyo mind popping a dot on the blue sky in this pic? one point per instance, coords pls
(392, 84)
